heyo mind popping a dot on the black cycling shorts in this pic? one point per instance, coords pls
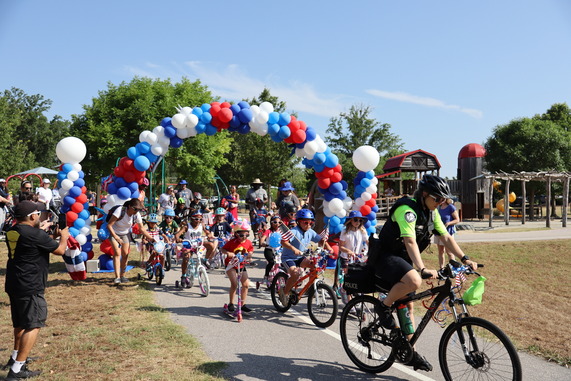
(391, 268)
(29, 311)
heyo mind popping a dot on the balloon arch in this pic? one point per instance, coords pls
(209, 119)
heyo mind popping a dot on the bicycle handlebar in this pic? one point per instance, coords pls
(453, 268)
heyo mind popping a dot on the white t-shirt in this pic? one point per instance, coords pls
(45, 196)
(123, 225)
(356, 240)
(193, 233)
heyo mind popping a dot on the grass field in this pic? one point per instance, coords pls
(98, 332)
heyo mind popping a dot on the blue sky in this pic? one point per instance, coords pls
(442, 73)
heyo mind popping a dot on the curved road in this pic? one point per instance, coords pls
(272, 346)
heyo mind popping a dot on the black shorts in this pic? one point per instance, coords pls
(29, 312)
(391, 268)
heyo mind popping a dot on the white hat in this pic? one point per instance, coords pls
(47, 181)
(2, 180)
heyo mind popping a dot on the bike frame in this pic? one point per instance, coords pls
(312, 275)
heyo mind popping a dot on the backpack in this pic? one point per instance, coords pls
(113, 209)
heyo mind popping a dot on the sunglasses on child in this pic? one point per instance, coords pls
(242, 235)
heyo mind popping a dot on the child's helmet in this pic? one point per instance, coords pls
(181, 201)
(241, 225)
(304, 214)
(145, 181)
(169, 213)
(153, 218)
(220, 212)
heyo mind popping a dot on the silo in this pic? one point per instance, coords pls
(474, 195)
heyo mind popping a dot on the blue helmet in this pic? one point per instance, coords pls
(304, 214)
(169, 212)
(153, 218)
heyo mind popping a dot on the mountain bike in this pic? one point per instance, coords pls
(470, 348)
(195, 269)
(321, 299)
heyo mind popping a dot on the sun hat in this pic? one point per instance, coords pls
(355, 214)
(257, 181)
(46, 181)
(24, 208)
(2, 180)
(286, 187)
(182, 182)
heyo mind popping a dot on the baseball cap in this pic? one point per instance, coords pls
(182, 182)
(25, 208)
(46, 181)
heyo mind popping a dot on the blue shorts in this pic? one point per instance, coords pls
(294, 262)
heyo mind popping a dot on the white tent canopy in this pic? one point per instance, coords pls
(39, 171)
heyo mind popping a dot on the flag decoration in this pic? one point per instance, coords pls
(325, 233)
(75, 260)
(460, 278)
(286, 233)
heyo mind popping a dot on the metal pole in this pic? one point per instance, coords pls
(565, 203)
(491, 202)
(523, 202)
(507, 203)
(548, 203)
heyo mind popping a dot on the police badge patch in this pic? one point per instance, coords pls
(410, 217)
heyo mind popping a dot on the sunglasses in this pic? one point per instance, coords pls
(28, 188)
(35, 212)
(305, 222)
(196, 219)
(276, 222)
(438, 199)
(242, 235)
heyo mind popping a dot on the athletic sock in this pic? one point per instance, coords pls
(14, 354)
(17, 366)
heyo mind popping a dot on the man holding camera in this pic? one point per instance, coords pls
(29, 248)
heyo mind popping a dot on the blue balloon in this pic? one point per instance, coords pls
(79, 183)
(318, 167)
(210, 129)
(176, 142)
(342, 195)
(78, 223)
(65, 208)
(67, 167)
(360, 175)
(205, 107)
(123, 193)
(285, 118)
(105, 262)
(73, 231)
(245, 115)
(135, 194)
(200, 128)
(345, 185)
(197, 111)
(319, 158)
(170, 132)
(371, 216)
(143, 148)
(375, 208)
(365, 182)
(273, 117)
(83, 256)
(336, 188)
(310, 134)
(120, 182)
(243, 104)
(68, 200)
(273, 129)
(206, 118)
(151, 156)
(284, 132)
(275, 240)
(81, 174)
(276, 138)
(328, 196)
(133, 186)
(132, 153)
(244, 129)
(141, 163)
(334, 221)
(89, 237)
(166, 122)
(331, 161)
(88, 246)
(74, 191)
(235, 123)
(84, 214)
(235, 109)
(61, 175)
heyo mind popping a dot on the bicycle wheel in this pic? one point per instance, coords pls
(158, 274)
(168, 260)
(150, 274)
(491, 353)
(322, 305)
(203, 281)
(279, 284)
(190, 278)
(367, 344)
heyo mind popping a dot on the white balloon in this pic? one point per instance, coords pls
(81, 239)
(371, 189)
(366, 158)
(143, 136)
(186, 110)
(267, 107)
(359, 203)
(152, 138)
(299, 152)
(66, 184)
(164, 141)
(113, 199)
(85, 230)
(310, 149)
(157, 150)
(328, 212)
(263, 130)
(159, 131)
(262, 117)
(178, 120)
(335, 205)
(347, 203)
(183, 133)
(375, 181)
(191, 131)
(77, 167)
(321, 146)
(106, 208)
(191, 120)
(342, 213)
(73, 175)
(63, 192)
(255, 111)
(366, 196)
(71, 150)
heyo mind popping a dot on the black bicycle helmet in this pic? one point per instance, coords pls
(435, 185)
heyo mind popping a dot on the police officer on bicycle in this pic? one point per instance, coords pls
(407, 232)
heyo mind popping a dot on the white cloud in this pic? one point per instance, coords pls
(424, 101)
(232, 83)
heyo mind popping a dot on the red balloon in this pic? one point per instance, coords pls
(214, 110)
(299, 136)
(84, 189)
(135, 229)
(326, 173)
(293, 125)
(90, 255)
(82, 199)
(119, 171)
(77, 208)
(302, 125)
(216, 122)
(128, 165)
(225, 115)
(324, 183)
(106, 247)
(225, 105)
(337, 168)
(372, 202)
(71, 216)
(130, 176)
(215, 104)
(336, 177)
(374, 196)
(365, 210)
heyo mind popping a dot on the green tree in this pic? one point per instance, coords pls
(28, 137)
(275, 158)
(355, 128)
(114, 120)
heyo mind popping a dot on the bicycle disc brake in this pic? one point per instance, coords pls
(402, 350)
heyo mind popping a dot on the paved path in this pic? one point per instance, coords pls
(273, 346)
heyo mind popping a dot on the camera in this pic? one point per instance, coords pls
(58, 220)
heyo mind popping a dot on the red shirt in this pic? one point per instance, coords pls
(233, 244)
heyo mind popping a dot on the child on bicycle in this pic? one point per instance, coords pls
(220, 229)
(180, 211)
(275, 223)
(157, 235)
(353, 244)
(240, 243)
(193, 229)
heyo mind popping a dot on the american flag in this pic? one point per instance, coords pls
(286, 233)
(325, 233)
(460, 278)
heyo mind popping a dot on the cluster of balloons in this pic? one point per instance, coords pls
(366, 159)
(71, 187)
(126, 178)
